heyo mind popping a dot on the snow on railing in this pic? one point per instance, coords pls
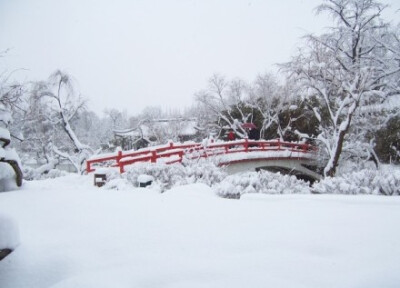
(174, 152)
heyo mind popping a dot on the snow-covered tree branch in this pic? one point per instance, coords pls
(344, 70)
(54, 104)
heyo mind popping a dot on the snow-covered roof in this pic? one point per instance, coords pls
(180, 126)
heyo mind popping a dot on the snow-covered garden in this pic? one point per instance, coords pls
(73, 234)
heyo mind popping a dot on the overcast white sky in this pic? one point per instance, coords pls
(129, 54)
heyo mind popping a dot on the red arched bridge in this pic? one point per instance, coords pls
(241, 155)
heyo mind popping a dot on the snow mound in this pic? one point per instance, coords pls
(193, 190)
(7, 178)
(9, 233)
(118, 184)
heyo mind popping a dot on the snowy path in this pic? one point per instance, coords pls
(77, 235)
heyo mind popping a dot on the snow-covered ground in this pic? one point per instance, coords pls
(73, 234)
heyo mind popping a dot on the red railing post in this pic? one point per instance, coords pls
(120, 165)
(153, 156)
(119, 156)
(246, 144)
(88, 166)
(303, 147)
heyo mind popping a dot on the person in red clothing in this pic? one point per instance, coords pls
(231, 135)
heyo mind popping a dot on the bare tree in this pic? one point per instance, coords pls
(269, 99)
(225, 102)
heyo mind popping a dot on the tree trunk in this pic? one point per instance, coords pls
(336, 156)
(339, 144)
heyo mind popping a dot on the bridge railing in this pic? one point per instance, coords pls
(175, 152)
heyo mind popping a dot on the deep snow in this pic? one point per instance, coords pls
(73, 234)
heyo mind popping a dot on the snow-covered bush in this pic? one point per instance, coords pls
(36, 174)
(260, 182)
(168, 176)
(111, 173)
(118, 184)
(114, 180)
(204, 171)
(349, 166)
(385, 181)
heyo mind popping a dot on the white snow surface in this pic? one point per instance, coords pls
(9, 234)
(73, 234)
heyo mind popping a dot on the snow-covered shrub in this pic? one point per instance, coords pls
(118, 184)
(114, 180)
(168, 176)
(349, 166)
(35, 174)
(339, 185)
(385, 181)
(111, 173)
(204, 171)
(55, 173)
(388, 184)
(260, 182)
